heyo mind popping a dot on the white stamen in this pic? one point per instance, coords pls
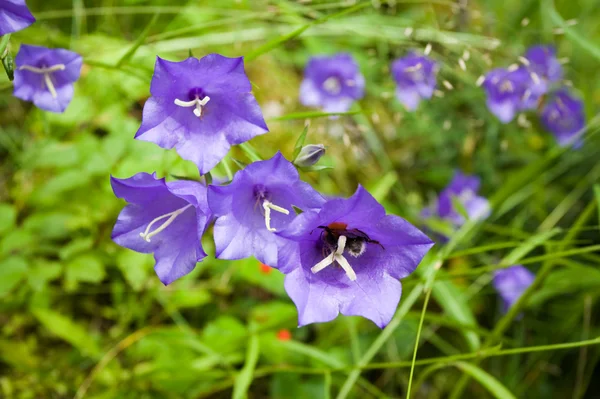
(524, 61)
(427, 49)
(46, 71)
(535, 78)
(338, 257)
(413, 68)
(268, 206)
(332, 85)
(194, 103)
(146, 235)
(512, 67)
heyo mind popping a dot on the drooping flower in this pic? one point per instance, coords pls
(563, 115)
(544, 68)
(509, 92)
(415, 77)
(14, 16)
(332, 83)
(166, 218)
(462, 189)
(258, 202)
(201, 107)
(511, 282)
(348, 258)
(45, 76)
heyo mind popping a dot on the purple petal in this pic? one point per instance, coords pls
(14, 16)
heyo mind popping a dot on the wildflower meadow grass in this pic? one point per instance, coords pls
(299, 199)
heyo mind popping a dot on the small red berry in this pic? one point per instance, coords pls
(284, 335)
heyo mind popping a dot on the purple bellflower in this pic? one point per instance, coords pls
(45, 76)
(544, 68)
(462, 188)
(166, 218)
(348, 258)
(332, 83)
(14, 16)
(563, 115)
(415, 77)
(509, 92)
(511, 283)
(258, 202)
(201, 107)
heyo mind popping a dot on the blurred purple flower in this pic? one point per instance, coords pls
(14, 16)
(462, 188)
(509, 92)
(511, 282)
(348, 259)
(202, 108)
(45, 76)
(543, 67)
(563, 115)
(332, 83)
(167, 218)
(415, 76)
(256, 203)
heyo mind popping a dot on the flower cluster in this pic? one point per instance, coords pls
(43, 76)
(334, 83)
(536, 85)
(339, 255)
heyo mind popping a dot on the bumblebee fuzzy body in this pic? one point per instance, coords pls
(356, 240)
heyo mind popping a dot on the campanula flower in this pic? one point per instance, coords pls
(201, 107)
(258, 202)
(563, 115)
(45, 76)
(509, 92)
(166, 218)
(309, 155)
(415, 77)
(14, 16)
(544, 68)
(462, 189)
(511, 283)
(332, 83)
(348, 258)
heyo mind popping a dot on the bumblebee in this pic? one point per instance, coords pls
(356, 240)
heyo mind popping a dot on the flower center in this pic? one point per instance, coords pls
(336, 256)
(332, 85)
(197, 99)
(506, 87)
(46, 71)
(268, 206)
(171, 216)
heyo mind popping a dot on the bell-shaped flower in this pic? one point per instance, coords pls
(563, 115)
(332, 83)
(511, 282)
(14, 16)
(509, 92)
(259, 201)
(544, 68)
(201, 107)
(416, 79)
(164, 218)
(461, 192)
(348, 259)
(45, 76)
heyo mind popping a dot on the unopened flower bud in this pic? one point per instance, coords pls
(309, 155)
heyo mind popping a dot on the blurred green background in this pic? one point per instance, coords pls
(83, 317)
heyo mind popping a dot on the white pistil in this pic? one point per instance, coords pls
(46, 72)
(338, 257)
(146, 235)
(268, 206)
(194, 103)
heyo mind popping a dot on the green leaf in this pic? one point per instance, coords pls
(459, 207)
(43, 272)
(300, 142)
(12, 271)
(8, 217)
(519, 252)
(245, 377)
(486, 380)
(311, 115)
(68, 330)
(136, 267)
(315, 168)
(383, 185)
(17, 241)
(597, 195)
(84, 268)
(583, 42)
